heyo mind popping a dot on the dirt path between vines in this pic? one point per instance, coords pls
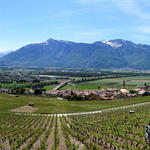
(73, 139)
(62, 145)
(76, 142)
(50, 140)
(37, 143)
(30, 138)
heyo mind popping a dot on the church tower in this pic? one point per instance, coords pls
(124, 84)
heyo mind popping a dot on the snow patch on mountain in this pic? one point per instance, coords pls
(66, 42)
(112, 44)
(45, 43)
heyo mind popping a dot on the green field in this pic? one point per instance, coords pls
(48, 84)
(53, 105)
(131, 83)
(47, 88)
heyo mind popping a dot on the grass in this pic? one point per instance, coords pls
(66, 87)
(137, 78)
(47, 88)
(85, 86)
(131, 82)
(53, 105)
(93, 86)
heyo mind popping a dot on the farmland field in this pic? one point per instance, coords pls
(47, 88)
(53, 105)
(27, 84)
(131, 83)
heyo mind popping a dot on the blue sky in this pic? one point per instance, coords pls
(28, 21)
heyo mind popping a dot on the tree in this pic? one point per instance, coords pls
(37, 91)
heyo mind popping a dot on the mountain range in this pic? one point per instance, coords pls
(106, 54)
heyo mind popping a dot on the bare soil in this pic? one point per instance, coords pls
(50, 140)
(36, 145)
(62, 145)
(28, 109)
(76, 142)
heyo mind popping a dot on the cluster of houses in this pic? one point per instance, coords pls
(102, 94)
(90, 94)
(5, 90)
(108, 94)
(18, 76)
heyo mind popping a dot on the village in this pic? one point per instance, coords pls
(33, 84)
(94, 94)
(108, 94)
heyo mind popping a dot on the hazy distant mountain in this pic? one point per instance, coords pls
(4, 53)
(105, 54)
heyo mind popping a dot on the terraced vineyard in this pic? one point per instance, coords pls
(116, 130)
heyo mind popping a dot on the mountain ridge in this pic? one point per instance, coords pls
(106, 54)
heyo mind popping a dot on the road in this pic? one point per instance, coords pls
(61, 85)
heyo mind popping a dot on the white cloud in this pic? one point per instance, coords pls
(93, 35)
(93, 1)
(144, 29)
(69, 12)
(5, 51)
(141, 37)
(134, 7)
(90, 33)
(19, 46)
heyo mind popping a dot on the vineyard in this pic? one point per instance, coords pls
(113, 130)
(35, 132)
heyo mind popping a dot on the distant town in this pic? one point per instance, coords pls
(51, 83)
